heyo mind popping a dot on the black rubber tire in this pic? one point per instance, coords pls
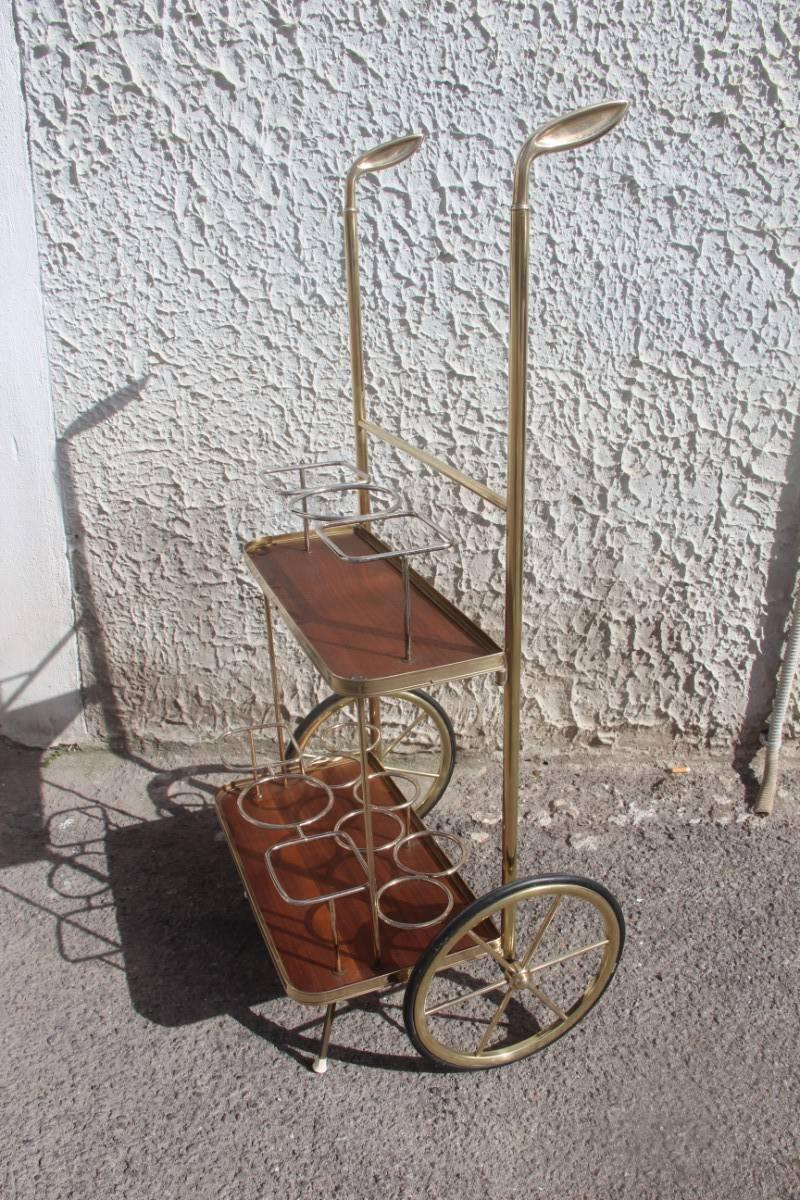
(330, 701)
(464, 918)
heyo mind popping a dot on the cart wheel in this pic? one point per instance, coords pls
(468, 1007)
(417, 738)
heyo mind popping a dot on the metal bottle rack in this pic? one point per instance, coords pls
(353, 893)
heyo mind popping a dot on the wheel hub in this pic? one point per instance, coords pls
(519, 980)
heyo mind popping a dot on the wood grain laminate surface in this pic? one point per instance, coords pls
(301, 934)
(350, 615)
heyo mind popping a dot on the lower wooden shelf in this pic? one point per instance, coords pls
(299, 937)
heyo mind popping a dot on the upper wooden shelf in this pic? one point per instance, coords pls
(349, 616)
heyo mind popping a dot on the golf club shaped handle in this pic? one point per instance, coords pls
(377, 159)
(564, 133)
(574, 129)
(389, 154)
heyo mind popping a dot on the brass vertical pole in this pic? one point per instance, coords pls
(306, 531)
(406, 610)
(356, 338)
(575, 129)
(515, 535)
(356, 355)
(363, 742)
(335, 935)
(390, 154)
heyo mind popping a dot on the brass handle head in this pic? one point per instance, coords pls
(574, 129)
(390, 154)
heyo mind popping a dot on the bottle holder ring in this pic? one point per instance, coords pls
(253, 750)
(314, 473)
(413, 872)
(398, 881)
(326, 797)
(348, 725)
(358, 789)
(310, 503)
(384, 812)
(341, 839)
(333, 759)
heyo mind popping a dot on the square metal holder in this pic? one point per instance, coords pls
(440, 542)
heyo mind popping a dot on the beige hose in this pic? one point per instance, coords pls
(766, 795)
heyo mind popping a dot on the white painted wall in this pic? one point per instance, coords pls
(40, 699)
(188, 160)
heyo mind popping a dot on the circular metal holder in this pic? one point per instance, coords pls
(326, 740)
(332, 760)
(386, 812)
(398, 881)
(329, 898)
(434, 539)
(322, 897)
(286, 777)
(404, 807)
(301, 503)
(411, 872)
(240, 750)
(323, 472)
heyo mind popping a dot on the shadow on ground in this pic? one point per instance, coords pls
(181, 929)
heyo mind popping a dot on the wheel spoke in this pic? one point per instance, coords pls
(490, 950)
(490, 1028)
(564, 957)
(546, 1001)
(490, 987)
(540, 932)
(404, 733)
(408, 771)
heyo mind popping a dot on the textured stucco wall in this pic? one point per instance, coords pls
(187, 160)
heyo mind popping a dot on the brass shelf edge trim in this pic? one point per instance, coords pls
(262, 925)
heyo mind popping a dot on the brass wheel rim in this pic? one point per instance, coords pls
(431, 775)
(524, 974)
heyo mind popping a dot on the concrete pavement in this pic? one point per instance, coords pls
(148, 1050)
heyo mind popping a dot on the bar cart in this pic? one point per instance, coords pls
(352, 890)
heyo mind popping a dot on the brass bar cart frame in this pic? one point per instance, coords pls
(566, 133)
(481, 929)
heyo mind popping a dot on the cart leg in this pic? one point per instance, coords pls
(306, 537)
(375, 719)
(320, 1063)
(276, 687)
(406, 612)
(335, 936)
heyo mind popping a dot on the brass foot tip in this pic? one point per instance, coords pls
(319, 1066)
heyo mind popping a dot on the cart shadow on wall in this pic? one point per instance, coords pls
(22, 822)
